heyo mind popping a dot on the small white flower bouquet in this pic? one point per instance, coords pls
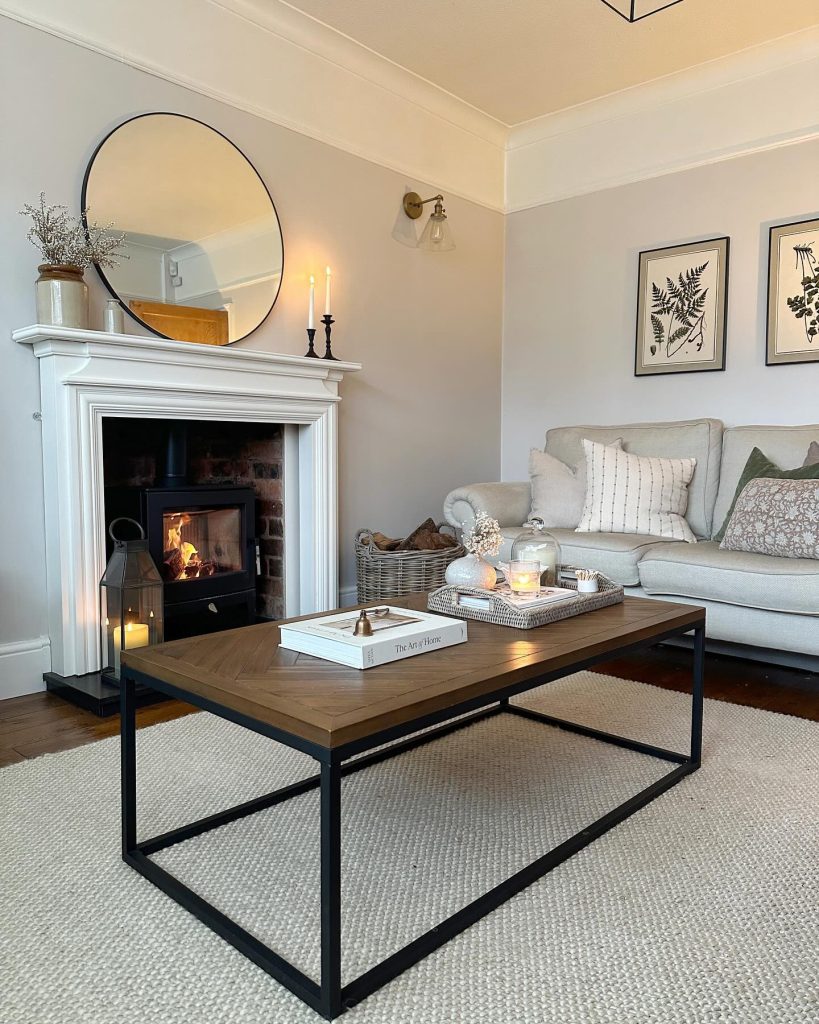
(485, 537)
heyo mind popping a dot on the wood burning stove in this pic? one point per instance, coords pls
(202, 538)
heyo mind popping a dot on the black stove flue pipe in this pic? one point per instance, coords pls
(176, 456)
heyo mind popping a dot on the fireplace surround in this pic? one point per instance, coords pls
(86, 376)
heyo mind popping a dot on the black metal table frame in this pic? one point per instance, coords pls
(329, 997)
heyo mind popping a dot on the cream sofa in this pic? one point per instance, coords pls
(755, 601)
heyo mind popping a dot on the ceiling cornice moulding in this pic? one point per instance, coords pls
(292, 71)
(731, 107)
(279, 18)
(703, 78)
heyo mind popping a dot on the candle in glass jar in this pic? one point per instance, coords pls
(546, 556)
(524, 577)
(136, 635)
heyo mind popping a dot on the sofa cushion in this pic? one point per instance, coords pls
(697, 439)
(759, 466)
(636, 494)
(776, 517)
(614, 554)
(558, 490)
(706, 573)
(786, 446)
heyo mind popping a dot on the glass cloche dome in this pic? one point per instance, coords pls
(536, 544)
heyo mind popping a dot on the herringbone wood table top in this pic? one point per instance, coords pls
(246, 670)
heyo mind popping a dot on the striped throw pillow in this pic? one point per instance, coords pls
(627, 493)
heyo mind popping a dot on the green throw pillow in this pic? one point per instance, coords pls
(759, 465)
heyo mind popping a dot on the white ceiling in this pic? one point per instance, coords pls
(518, 59)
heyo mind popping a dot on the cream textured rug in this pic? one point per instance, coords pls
(702, 908)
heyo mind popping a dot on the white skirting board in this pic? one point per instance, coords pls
(22, 664)
(347, 596)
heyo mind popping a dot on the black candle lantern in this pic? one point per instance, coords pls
(131, 600)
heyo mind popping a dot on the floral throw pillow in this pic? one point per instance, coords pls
(759, 465)
(776, 517)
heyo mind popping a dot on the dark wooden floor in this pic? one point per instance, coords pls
(41, 723)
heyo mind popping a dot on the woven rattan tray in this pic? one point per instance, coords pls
(504, 613)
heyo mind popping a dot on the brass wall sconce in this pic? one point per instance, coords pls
(437, 234)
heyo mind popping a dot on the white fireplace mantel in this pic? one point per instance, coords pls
(88, 375)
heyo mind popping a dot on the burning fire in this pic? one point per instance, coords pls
(181, 560)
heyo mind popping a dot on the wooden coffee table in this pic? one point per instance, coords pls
(336, 714)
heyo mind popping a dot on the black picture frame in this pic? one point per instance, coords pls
(704, 297)
(780, 320)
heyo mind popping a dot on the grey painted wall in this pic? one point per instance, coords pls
(571, 292)
(410, 428)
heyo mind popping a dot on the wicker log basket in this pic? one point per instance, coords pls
(382, 575)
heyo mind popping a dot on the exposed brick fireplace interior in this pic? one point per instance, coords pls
(217, 455)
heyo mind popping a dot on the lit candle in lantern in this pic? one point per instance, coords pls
(524, 577)
(327, 292)
(311, 306)
(136, 635)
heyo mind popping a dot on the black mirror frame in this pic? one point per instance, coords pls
(83, 205)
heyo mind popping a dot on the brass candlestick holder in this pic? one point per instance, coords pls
(311, 352)
(328, 322)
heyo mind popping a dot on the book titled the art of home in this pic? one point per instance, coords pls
(396, 633)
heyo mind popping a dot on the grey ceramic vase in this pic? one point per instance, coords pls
(471, 571)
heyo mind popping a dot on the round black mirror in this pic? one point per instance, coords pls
(203, 239)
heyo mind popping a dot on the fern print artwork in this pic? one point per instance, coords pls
(793, 293)
(678, 312)
(804, 306)
(681, 308)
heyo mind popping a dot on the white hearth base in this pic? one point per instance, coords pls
(88, 375)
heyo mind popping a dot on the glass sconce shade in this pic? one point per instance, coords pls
(536, 544)
(437, 235)
(131, 601)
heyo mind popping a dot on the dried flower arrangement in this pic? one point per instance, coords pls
(65, 241)
(485, 537)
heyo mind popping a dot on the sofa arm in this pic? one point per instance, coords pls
(508, 503)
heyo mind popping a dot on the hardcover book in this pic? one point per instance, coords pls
(397, 633)
(545, 596)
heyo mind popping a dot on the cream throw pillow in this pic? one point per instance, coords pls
(628, 493)
(558, 490)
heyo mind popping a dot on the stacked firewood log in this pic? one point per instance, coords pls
(426, 537)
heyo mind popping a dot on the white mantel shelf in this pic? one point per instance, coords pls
(86, 376)
(74, 341)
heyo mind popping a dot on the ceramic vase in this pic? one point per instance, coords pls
(471, 571)
(62, 296)
(112, 319)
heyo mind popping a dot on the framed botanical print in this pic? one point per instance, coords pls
(682, 308)
(793, 293)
